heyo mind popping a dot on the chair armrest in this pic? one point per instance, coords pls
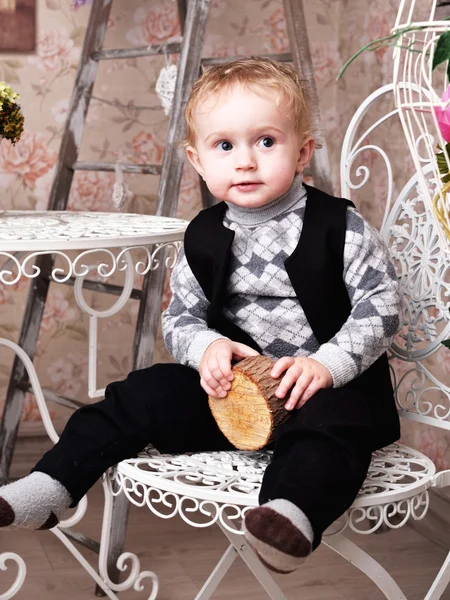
(441, 479)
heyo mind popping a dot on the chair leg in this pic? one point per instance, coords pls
(252, 562)
(218, 574)
(441, 582)
(121, 509)
(368, 565)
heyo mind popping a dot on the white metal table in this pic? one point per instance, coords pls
(84, 243)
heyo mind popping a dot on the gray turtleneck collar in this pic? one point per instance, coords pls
(257, 216)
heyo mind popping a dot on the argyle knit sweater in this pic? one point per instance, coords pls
(260, 298)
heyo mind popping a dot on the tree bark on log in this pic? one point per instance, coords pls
(250, 413)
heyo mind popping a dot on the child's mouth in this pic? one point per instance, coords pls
(247, 186)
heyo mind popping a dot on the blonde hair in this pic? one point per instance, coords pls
(252, 72)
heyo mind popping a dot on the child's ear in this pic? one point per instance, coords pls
(305, 154)
(192, 155)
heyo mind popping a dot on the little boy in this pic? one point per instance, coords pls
(275, 268)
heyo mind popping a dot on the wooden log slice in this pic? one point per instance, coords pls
(250, 413)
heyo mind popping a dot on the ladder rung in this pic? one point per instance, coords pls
(105, 166)
(172, 48)
(52, 397)
(285, 57)
(105, 288)
(82, 539)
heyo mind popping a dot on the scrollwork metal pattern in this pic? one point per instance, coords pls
(424, 273)
(367, 520)
(420, 393)
(165, 505)
(107, 262)
(221, 486)
(22, 570)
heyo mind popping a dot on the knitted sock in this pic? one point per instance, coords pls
(280, 533)
(35, 502)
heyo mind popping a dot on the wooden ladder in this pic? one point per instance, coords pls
(193, 16)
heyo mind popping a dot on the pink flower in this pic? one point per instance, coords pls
(54, 49)
(68, 374)
(92, 191)
(443, 115)
(57, 310)
(4, 293)
(147, 148)
(31, 410)
(277, 33)
(30, 158)
(325, 58)
(154, 26)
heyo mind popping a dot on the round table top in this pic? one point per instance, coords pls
(65, 230)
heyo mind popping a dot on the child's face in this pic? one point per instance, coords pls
(247, 149)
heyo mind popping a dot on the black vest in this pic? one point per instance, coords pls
(315, 269)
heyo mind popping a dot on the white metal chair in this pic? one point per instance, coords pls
(219, 487)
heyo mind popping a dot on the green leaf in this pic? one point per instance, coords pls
(446, 178)
(440, 157)
(446, 343)
(442, 163)
(442, 52)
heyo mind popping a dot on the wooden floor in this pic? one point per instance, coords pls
(183, 557)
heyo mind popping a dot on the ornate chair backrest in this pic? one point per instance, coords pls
(420, 363)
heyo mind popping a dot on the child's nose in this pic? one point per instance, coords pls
(245, 159)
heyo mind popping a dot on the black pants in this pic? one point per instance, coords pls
(321, 454)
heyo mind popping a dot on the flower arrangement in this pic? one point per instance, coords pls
(11, 117)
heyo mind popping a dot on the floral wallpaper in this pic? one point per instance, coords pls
(126, 123)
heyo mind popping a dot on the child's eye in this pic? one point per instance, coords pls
(225, 146)
(267, 142)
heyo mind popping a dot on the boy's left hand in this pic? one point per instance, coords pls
(305, 376)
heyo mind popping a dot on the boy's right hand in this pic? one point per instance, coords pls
(215, 366)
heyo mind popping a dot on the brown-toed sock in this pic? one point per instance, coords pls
(6, 513)
(280, 533)
(35, 502)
